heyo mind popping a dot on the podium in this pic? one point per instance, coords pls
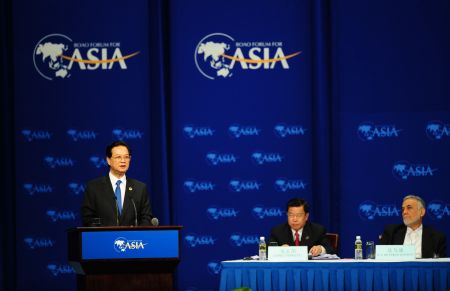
(124, 258)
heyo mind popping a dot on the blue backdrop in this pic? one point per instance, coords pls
(230, 109)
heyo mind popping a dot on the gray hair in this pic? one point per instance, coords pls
(417, 198)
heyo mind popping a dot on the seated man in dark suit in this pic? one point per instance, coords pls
(116, 199)
(298, 231)
(429, 243)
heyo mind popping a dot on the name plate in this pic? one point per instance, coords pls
(288, 254)
(395, 252)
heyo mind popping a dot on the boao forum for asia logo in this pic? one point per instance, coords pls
(32, 135)
(437, 130)
(261, 212)
(369, 210)
(438, 209)
(122, 244)
(199, 240)
(403, 170)
(218, 54)
(33, 188)
(218, 213)
(57, 269)
(368, 131)
(55, 55)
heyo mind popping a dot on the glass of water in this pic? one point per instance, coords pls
(370, 250)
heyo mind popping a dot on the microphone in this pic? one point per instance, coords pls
(135, 212)
(155, 221)
(117, 211)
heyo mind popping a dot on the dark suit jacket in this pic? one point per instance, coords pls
(313, 234)
(99, 201)
(433, 242)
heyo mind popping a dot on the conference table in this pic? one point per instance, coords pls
(343, 274)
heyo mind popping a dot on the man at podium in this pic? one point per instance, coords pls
(116, 199)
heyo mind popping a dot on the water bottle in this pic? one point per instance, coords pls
(358, 248)
(262, 249)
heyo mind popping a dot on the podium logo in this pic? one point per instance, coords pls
(194, 240)
(262, 158)
(123, 134)
(215, 159)
(76, 188)
(438, 209)
(237, 185)
(369, 210)
(60, 269)
(262, 212)
(191, 132)
(236, 130)
(217, 54)
(285, 185)
(239, 240)
(121, 245)
(367, 131)
(283, 130)
(32, 189)
(436, 130)
(32, 135)
(216, 213)
(214, 267)
(38, 243)
(58, 162)
(193, 186)
(77, 135)
(403, 170)
(55, 55)
(98, 162)
(62, 215)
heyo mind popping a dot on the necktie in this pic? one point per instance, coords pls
(297, 240)
(118, 196)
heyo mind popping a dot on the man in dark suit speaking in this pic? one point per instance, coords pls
(298, 231)
(116, 199)
(428, 242)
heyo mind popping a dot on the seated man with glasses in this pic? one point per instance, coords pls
(116, 199)
(298, 231)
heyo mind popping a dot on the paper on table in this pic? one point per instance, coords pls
(326, 257)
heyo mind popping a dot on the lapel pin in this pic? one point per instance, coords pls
(307, 237)
(130, 188)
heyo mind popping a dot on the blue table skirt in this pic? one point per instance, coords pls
(337, 275)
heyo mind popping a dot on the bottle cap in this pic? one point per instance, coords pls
(261, 238)
(358, 237)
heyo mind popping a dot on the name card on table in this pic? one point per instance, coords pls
(288, 254)
(395, 252)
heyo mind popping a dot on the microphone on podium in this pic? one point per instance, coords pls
(154, 221)
(117, 210)
(135, 212)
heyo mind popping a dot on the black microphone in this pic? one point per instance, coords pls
(117, 211)
(135, 212)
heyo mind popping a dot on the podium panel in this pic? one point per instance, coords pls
(124, 258)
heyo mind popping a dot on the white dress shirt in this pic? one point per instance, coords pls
(414, 237)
